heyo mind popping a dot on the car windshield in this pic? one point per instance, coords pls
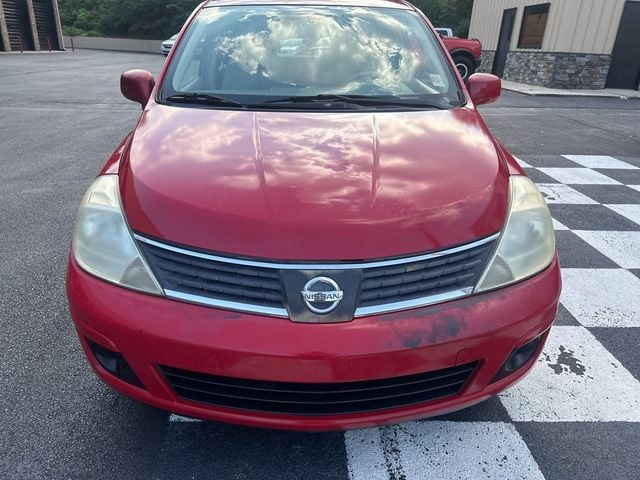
(235, 56)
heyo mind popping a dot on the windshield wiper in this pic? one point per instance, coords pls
(364, 100)
(359, 100)
(203, 99)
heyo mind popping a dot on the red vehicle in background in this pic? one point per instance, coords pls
(464, 51)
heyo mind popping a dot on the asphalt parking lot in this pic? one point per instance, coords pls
(576, 415)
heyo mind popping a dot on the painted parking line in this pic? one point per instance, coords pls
(578, 176)
(621, 247)
(599, 161)
(438, 450)
(632, 212)
(522, 163)
(179, 418)
(558, 225)
(560, 193)
(576, 379)
(615, 305)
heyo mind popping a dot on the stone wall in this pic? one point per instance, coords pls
(553, 69)
(487, 61)
(558, 70)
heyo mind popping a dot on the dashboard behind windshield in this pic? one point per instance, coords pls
(265, 52)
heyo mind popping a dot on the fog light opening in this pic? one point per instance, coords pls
(114, 363)
(518, 358)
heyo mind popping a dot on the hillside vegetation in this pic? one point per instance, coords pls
(159, 19)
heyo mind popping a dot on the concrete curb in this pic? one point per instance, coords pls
(535, 91)
(34, 52)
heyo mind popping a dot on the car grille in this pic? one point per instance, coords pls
(209, 278)
(421, 279)
(258, 286)
(318, 398)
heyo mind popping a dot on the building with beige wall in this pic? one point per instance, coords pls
(30, 25)
(560, 43)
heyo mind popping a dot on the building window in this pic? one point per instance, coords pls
(534, 21)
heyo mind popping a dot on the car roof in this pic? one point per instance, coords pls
(398, 4)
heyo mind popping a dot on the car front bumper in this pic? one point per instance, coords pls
(150, 331)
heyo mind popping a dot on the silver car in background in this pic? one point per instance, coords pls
(165, 47)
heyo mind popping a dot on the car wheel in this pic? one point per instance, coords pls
(464, 66)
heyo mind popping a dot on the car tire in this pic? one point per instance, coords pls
(464, 65)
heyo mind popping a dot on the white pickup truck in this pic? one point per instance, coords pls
(445, 32)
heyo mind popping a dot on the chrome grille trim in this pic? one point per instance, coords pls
(283, 313)
(227, 305)
(320, 265)
(414, 303)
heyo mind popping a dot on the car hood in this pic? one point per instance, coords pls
(313, 186)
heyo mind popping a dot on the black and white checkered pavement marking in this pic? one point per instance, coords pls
(439, 450)
(595, 201)
(576, 380)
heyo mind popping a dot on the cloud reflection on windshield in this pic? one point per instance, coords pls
(261, 50)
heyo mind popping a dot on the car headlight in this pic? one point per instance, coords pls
(527, 243)
(102, 242)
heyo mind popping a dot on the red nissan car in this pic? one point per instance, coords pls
(311, 227)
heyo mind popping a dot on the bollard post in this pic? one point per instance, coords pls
(20, 44)
(49, 44)
(73, 49)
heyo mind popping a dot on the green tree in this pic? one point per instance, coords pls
(154, 19)
(158, 19)
(454, 14)
(81, 17)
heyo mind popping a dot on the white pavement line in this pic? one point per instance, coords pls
(621, 247)
(578, 176)
(560, 193)
(440, 450)
(369, 458)
(599, 161)
(635, 187)
(558, 226)
(576, 379)
(605, 297)
(179, 418)
(631, 211)
(522, 163)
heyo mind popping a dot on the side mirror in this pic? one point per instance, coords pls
(484, 88)
(136, 85)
